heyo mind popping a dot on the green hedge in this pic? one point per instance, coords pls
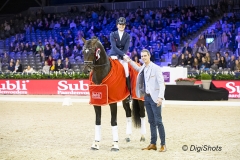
(55, 75)
(216, 76)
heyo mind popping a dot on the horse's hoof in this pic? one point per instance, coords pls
(94, 149)
(114, 149)
(95, 146)
(142, 139)
(127, 139)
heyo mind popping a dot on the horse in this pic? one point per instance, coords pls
(96, 59)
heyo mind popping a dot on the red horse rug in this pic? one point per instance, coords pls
(113, 88)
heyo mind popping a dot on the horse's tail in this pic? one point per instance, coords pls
(136, 113)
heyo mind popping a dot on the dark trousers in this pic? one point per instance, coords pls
(155, 120)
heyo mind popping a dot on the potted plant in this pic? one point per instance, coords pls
(185, 81)
(206, 80)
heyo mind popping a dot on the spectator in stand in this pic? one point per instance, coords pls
(50, 60)
(59, 65)
(29, 69)
(195, 49)
(186, 47)
(61, 38)
(68, 52)
(136, 59)
(46, 68)
(225, 27)
(208, 59)
(195, 64)
(189, 60)
(12, 60)
(40, 46)
(231, 63)
(224, 40)
(5, 58)
(218, 26)
(55, 55)
(182, 61)
(237, 66)
(202, 50)
(33, 48)
(18, 66)
(73, 25)
(204, 65)
(62, 54)
(53, 66)
(11, 47)
(11, 67)
(238, 43)
(201, 40)
(47, 51)
(57, 25)
(227, 57)
(222, 63)
(67, 64)
(199, 58)
(174, 60)
(217, 59)
(27, 47)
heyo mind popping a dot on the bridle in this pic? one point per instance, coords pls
(92, 64)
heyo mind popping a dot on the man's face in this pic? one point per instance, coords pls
(145, 57)
(121, 27)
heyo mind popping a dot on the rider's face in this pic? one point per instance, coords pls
(121, 27)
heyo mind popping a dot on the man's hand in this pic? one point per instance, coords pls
(126, 58)
(159, 102)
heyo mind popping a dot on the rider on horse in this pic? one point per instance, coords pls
(120, 41)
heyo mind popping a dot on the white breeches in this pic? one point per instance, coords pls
(124, 63)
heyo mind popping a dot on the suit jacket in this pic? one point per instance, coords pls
(119, 47)
(154, 79)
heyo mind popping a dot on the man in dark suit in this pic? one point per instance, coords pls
(120, 41)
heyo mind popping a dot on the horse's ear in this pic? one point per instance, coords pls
(84, 41)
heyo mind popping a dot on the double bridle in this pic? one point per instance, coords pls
(92, 64)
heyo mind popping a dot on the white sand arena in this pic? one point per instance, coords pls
(50, 131)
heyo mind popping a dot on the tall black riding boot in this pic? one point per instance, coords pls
(129, 98)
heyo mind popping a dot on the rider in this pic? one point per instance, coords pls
(120, 41)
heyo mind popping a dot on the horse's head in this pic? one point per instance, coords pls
(93, 52)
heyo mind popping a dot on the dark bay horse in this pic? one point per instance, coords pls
(97, 60)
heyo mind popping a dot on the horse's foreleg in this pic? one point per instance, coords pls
(142, 116)
(113, 109)
(128, 111)
(98, 112)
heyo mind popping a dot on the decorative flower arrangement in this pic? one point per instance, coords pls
(185, 79)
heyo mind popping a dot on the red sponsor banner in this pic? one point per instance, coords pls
(81, 87)
(232, 86)
(45, 87)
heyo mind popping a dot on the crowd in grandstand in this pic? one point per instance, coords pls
(41, 41)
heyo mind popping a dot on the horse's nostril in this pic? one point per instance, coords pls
(88, 62)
